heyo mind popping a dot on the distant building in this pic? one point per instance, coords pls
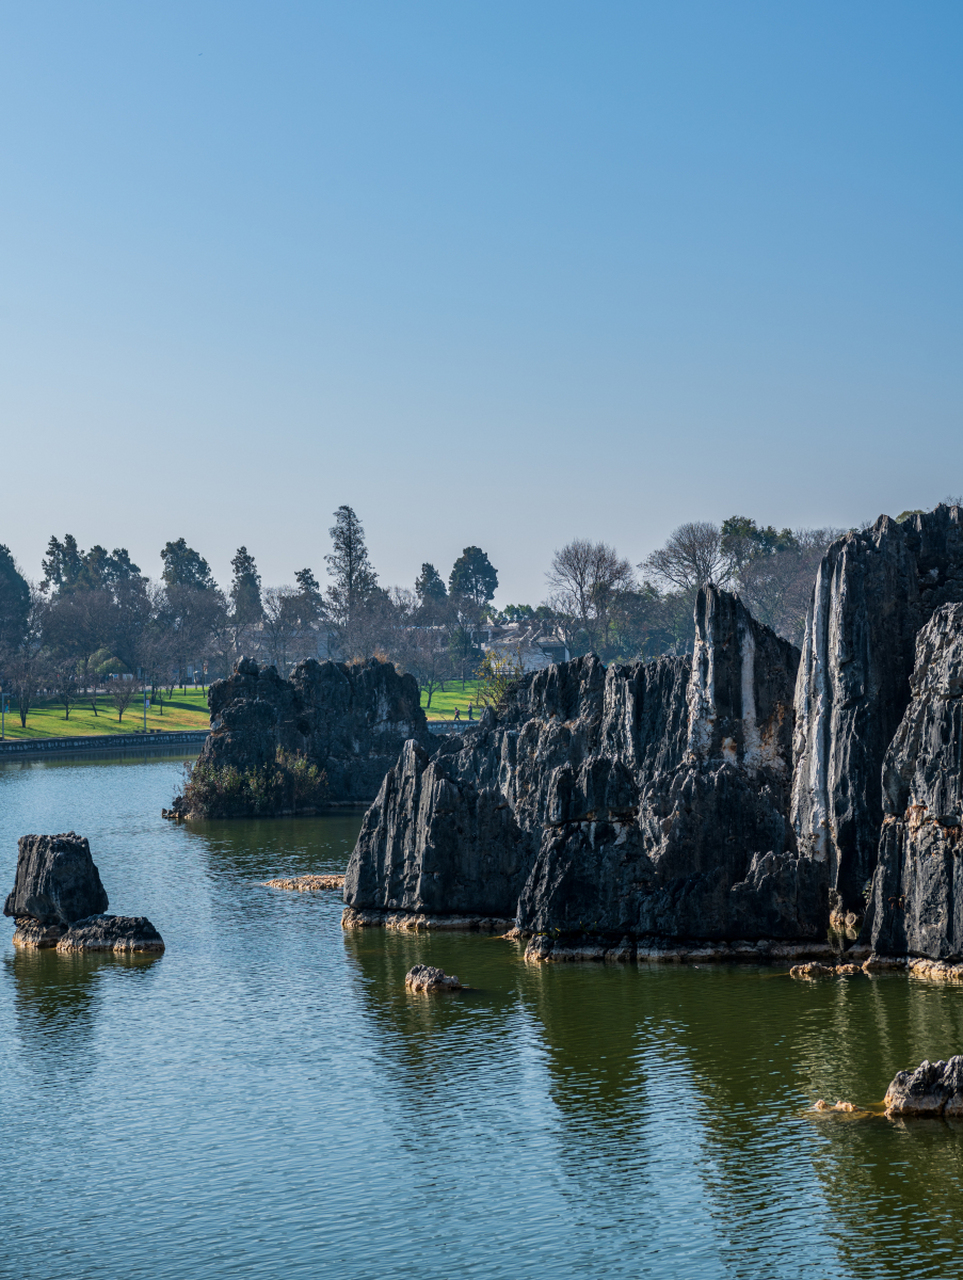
(537, 643)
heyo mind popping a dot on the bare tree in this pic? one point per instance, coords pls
(66, 685)
(693, 556)
(122, 693)
(587, 581)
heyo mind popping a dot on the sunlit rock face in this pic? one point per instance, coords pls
(916, 905)
(349, 719)
(874, 591)
(649, 798)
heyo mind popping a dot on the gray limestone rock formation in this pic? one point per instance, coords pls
(425, 977)
(349, 720)
(648, 799)
(933, 1089)
(916, 905)
(873, 592)
(112, 933)
(57, 883)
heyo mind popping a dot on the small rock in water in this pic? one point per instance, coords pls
(839, 1106)
(813, 970)
(933, 1089)
(425, 977)
(304, 884)
(111, 933)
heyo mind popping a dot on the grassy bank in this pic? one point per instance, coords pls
(46, 718)
(444, 701)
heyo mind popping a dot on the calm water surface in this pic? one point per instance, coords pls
(265, 1099)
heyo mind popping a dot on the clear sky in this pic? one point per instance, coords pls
(492, 273)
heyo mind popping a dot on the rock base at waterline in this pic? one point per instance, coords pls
(306, 884)
(37, 933)
(933, 1089)
(418, 922)
(112, 933)
(425, 977)
(674, 951)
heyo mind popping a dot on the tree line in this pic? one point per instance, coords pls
(95, 618)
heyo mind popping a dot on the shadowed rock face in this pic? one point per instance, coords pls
(645, 799)
(57, 881)
(873, 592)
(916, 906)
(112, 933)
(351, 721)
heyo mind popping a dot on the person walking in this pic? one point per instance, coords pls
(457, 714)
(470, 714)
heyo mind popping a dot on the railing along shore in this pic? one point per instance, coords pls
(82, 744)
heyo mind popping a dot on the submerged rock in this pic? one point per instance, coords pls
(306, 884)
(874, 590)
(36, 933)
(57, 883)
(425, 977)
(916, 904)
(646, 799)
(111, 933)
(933, 1089)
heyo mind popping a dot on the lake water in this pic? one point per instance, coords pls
(266, 1100)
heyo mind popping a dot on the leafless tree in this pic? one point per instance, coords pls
(66, 685)
(586, 582)
(692, 557)
(122, 693)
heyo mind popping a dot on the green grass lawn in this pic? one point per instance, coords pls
(444, 701)
(46, 718)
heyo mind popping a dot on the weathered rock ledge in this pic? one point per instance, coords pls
(419, 922)
(306, 884)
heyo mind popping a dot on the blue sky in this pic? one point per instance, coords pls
(495, 274)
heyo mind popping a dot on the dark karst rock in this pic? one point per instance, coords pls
(933, 1089)
(112, 933)
(873, 592)
(916, 906)
(57, 883)
(351, 720)
(648, 799)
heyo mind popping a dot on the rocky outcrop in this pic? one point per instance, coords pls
(933, 1089)
(916, 904)
(129, 934)
(426, 977)
(645, 800)
(348, 720)
(57, 881)
(58, 900)
(874, 591)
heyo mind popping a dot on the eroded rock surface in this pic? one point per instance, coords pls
(646, 799)
(933, 1089)
(349, 720)
(112, 933)
(425, 977)
(56, 883)
(916, 906)
(874, 591)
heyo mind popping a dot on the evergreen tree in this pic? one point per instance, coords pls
(308, 599)
(183, 567)
(429, 585)
(246, 588)
(354, 578)
(14, 600)
(473, 577)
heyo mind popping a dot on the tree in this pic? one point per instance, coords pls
(473, 577)
(65, 684)
(184, 567)
(122, 691)
(310, 600)
(24, 662)
(245, 589)
(14, 599)
(429, 585)
(354, 580)
(67, 569)
(587, 580)
(692, 557)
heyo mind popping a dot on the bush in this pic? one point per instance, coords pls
(290, 784)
